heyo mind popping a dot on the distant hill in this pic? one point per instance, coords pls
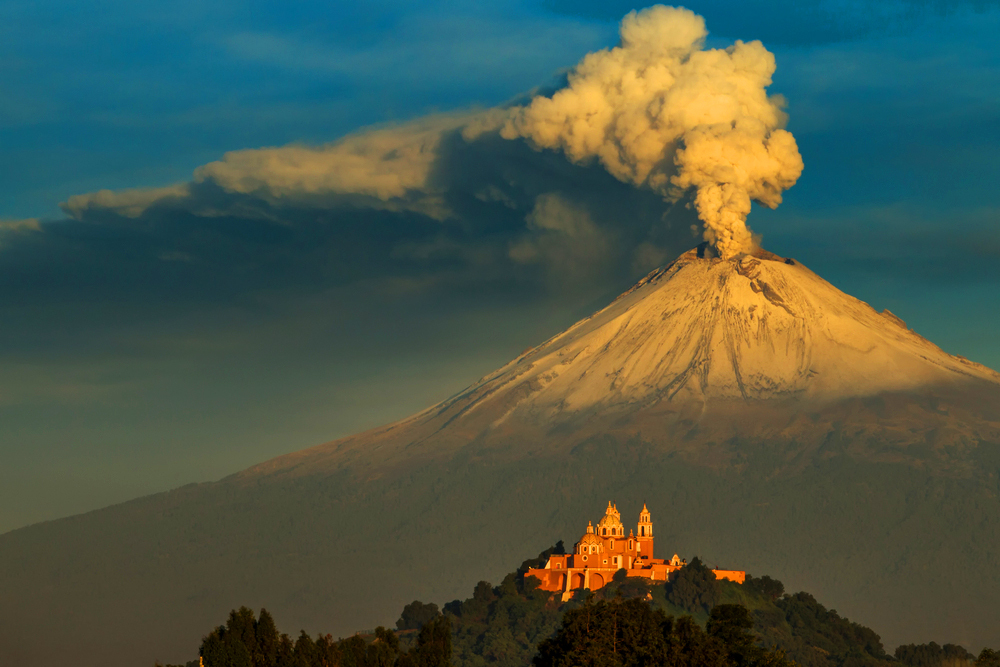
(769, 421)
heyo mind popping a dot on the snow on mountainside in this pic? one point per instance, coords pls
(701, 329)
(757, 348)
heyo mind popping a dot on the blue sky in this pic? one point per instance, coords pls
(141, 353)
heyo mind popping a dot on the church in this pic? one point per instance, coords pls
(604, 550)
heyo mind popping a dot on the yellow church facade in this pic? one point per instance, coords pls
(604, 550)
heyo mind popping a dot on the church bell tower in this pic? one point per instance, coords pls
(645, 533)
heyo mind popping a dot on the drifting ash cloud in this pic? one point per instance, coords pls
(663, 112)
(659, 112)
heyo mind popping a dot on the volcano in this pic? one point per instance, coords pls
(769, 421)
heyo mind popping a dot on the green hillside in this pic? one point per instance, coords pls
(691, 620)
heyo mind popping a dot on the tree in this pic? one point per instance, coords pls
(242, 629)
(285, 655)
(586, 638)
(694, 647)
(765, 587)
(267, 640)
(305, 651)
(384, 650)
(350, 652)
(932, 655)
(731, 625)
(433, 647)
(627, 633)
(694, 588)
(233, 644)
(416, 614)
(988, 658)
(816, 627)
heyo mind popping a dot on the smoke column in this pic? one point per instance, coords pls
(660, 110)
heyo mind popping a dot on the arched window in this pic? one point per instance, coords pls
(630, 545)
(612, 544)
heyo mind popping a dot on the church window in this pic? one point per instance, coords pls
(612, 544)
(584, 558)
(630, 545)
(605, 561)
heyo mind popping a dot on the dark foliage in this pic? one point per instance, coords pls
(631, 633)
(249, 642)
(502, 625)
(988, 658)
(815, 636)
(932, 655)
(433, 647)
(694, 588)
(765, 587)
(244, 641)
(416, 614)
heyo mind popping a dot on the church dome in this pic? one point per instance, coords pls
(610, 524)
(589, 544)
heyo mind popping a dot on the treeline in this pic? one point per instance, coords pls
(631, 633)
(949, 655)
(617, 633)
(515, 623)
(247, 641)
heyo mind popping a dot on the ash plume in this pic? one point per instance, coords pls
(662, 111)
(659, 112)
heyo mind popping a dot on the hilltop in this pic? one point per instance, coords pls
(516, 622)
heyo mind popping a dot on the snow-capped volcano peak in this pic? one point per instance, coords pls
(703, 328)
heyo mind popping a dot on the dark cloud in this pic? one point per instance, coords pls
(211, 244)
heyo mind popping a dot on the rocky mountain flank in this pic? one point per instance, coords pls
(769, 421)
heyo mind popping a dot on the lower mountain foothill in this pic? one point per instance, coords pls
(692, 619)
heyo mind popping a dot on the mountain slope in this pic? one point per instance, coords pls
(770, 422)
(701, 329)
